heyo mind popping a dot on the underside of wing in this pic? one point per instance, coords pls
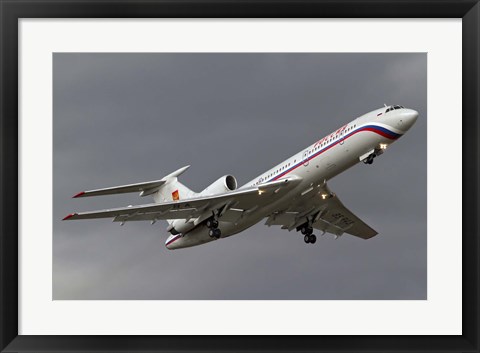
(322, 209)
(338, 220)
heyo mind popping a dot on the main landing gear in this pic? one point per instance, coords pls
(213, 232)
(307, 231)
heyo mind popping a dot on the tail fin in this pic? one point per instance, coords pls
(172, 189)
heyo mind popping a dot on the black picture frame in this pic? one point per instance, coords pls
(12, 10)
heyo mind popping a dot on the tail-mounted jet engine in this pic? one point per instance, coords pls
(224, 184)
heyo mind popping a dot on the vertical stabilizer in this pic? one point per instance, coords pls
(172, 189)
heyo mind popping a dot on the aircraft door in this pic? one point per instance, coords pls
(305, 158)
(342, 136)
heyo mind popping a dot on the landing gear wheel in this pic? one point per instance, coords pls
(312, 238)
(211, 233)
(369, 159)
(217, 233)
(306, 238)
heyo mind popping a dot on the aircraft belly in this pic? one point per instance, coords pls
(195, 237)
(199, 235)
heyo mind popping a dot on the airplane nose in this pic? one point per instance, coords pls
(408, 117)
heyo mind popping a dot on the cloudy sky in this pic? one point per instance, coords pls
(126, 118)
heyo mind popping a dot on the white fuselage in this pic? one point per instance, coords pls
(319, 162)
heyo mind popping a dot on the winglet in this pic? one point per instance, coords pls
(79, 194)
(69, 216)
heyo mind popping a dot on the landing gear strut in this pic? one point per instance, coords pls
(306, 230)
(213, 232)
(212, 223)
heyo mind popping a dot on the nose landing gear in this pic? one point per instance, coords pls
(369, 159)
(374, 153)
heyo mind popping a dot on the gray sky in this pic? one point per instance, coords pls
(126, 118)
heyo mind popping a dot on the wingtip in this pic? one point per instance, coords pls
(68, 216)
(78, 195)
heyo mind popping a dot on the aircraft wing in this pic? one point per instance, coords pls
(326, 212)
(340, 219)
(230, 204)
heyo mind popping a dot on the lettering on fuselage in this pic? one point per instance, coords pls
(308, 154)
(331, 136)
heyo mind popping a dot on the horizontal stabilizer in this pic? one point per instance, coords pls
(145, 188)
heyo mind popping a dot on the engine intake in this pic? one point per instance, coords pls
(224, 184)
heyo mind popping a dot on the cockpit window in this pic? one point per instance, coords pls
(394, 107)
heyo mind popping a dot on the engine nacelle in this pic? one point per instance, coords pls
(179, 226)
(224, 184)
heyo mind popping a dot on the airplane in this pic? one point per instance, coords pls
(293, 194)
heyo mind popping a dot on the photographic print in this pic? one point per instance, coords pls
(240, 176)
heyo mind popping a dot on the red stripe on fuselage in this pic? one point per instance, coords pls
(173, 239)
